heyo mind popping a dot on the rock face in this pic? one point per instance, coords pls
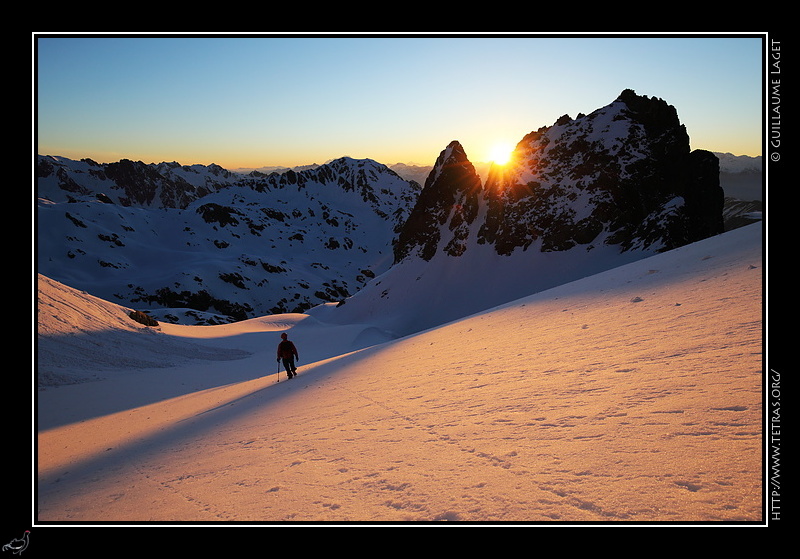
(579, 197)
(446, 207)
(623, 175)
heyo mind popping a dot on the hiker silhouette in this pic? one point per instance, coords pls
(287, 352)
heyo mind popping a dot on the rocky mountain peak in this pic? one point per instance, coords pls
(622, 175)
(581, 196)
(447, 206)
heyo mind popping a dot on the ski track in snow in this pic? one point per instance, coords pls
(633, 395)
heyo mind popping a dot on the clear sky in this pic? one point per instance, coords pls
(255, 101)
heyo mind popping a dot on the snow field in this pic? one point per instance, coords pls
(632, 395)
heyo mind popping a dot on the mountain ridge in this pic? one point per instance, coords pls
(217, 245)
(581, 196)
(229, 246)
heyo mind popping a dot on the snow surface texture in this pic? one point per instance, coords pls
(631, 395)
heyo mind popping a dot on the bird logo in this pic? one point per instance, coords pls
(18, 545)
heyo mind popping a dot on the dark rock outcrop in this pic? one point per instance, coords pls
(446, 207)
(623, 175)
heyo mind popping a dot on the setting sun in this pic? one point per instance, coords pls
(501, 153)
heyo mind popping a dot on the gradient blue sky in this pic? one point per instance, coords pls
(254, 101)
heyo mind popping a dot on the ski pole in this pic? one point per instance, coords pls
(279, 372)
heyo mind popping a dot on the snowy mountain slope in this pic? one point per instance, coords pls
(81, 338)
(67, 318)
(418, 295)
(741, 212)
(202, 244)
(630, 395)
(223, 246)
(581, 196)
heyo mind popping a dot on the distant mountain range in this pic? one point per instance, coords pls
(740, 175)
(203, 245)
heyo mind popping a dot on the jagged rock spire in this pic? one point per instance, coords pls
(447, 205)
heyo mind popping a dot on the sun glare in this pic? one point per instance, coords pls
(501, 153)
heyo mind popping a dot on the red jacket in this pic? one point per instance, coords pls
(286, 350)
